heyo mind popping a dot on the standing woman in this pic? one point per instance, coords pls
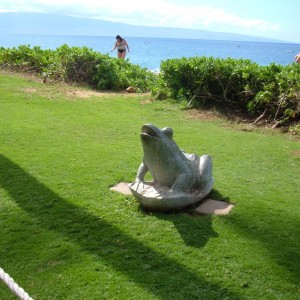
(122, 45)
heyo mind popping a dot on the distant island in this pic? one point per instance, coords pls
(53, 24)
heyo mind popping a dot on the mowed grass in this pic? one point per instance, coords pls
(65, 235)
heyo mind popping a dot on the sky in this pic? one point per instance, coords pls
(275, 19)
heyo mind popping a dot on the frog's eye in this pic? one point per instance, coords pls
(168, 132)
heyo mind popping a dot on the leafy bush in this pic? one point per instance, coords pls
(207, 78)
(26, 59)
(77, 64)
(272, 92)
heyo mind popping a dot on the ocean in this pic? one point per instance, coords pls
(149, 52)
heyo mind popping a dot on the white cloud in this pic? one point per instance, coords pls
(151, 13)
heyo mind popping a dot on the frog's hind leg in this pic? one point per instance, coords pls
(206, 178)
(182, 183)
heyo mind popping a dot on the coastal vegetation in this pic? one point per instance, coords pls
(268, 93)
(76, 64)
(65, 235)
(262, 94)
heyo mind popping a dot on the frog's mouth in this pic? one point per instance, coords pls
(149, 131)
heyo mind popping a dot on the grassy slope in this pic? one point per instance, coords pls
(65, 235)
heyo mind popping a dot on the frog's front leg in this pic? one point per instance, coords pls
(142, 170)
(140, 177)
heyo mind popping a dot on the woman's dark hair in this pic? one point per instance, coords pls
(118, 37)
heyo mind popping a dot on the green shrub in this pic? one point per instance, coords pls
(272, 91)
(25, 58)
(78, 64)
(210, 78)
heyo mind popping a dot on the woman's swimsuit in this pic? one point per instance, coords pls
(122, 46)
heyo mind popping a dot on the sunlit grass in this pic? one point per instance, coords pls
(65, 235)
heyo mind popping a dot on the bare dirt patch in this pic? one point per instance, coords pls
(202, 114)
(55, 90)
(52, 90)
(296, 153)
(29, 90)
(86, 93)
(147, 100)
(91, 93)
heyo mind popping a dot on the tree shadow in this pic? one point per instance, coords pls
(273, 236)
(276, 236)
(165, 279)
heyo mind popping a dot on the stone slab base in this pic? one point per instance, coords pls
(216, 207)
(122, 188)
(209, 206)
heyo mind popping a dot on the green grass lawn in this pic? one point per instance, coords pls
(65, 235)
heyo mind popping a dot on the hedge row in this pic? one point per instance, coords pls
(77, 64)
(272, 92)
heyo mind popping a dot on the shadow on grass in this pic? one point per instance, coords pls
(194, 229)
(165, 278)
(280, 236)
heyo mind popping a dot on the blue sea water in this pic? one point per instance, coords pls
(149, 52)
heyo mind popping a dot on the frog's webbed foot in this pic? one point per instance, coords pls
(151, 183)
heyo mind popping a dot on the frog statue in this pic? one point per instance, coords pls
(179, 179)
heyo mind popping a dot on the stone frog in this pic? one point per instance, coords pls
(179, 179)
